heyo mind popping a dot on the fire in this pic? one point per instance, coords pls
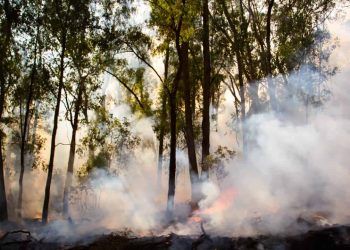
(222, 203)
(196, 219)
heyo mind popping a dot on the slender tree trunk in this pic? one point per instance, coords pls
(71, 158)
(91, 149)
(253, 87)
(173, 134)
(4, 50)
(161, 144)
(24, 135)
(206, 90)
(173, 119)
(172, 164)
(270, 83)
(242, 95)
(3, 201)
(189, 134)
(23, 150)
(162, 122)
(54, 131)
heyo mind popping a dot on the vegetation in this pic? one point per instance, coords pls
(55, 54)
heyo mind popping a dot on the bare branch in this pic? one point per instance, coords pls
(127, 87)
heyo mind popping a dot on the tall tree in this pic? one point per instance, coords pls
(206, 89)
(58, 15)
(189, 132)
(271, 87)
(9, 14)
(34, 33)
(175, 21)
(163, 117)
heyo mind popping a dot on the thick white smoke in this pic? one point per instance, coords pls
(293, 170)
(297, 169)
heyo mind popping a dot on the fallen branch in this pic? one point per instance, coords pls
(15, 232)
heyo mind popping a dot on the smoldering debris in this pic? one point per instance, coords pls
(337, 238)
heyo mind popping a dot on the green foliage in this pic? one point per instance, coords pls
(216, 161)
(110, 137)
(140, 88)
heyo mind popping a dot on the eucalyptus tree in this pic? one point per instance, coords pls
(34, 73)
(86, 66)
(175, 23)
(60, 22)
(266, 39)
(206, 87)
(9, 74)
(162, 117)
(86, 36)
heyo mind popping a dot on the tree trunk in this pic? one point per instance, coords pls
(71, 158)
(206, 90)
(54, 131)
(270, 83)
(3, 201)
(4, 50)
(253, 87)
(173, 134)
(162, 122)
(34, 129)
(242, 95)
(189, 134)
(173, 119)
(91, 149)
(24, 134)
(172, 164)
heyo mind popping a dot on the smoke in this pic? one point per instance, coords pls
(297, 168)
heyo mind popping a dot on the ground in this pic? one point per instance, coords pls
(335, 237)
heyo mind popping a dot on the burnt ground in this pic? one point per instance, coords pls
(335, 237)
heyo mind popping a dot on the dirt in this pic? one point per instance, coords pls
(335, 237)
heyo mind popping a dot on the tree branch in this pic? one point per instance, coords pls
(127, 87)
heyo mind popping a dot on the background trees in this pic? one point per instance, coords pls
(54, 54)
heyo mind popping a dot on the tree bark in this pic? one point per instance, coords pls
(3, 201)
(72, 148)
(206, 90)
(4, 50)
(162, 122)
(24, 134)
(54, 132)
(270, 83)
(173, 133)
(172, 163)
(189, 134)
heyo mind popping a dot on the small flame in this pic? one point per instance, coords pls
(195, 219)
(222, 203)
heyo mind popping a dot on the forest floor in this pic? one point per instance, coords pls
(334, 237)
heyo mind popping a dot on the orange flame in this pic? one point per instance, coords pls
(222, 203)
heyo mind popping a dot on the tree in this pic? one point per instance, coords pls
(206, 87)
(175, 23)
(189, 132)
(163, 116)
(60, 20)
(31, 15)
(258, 35)
(9, 14)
